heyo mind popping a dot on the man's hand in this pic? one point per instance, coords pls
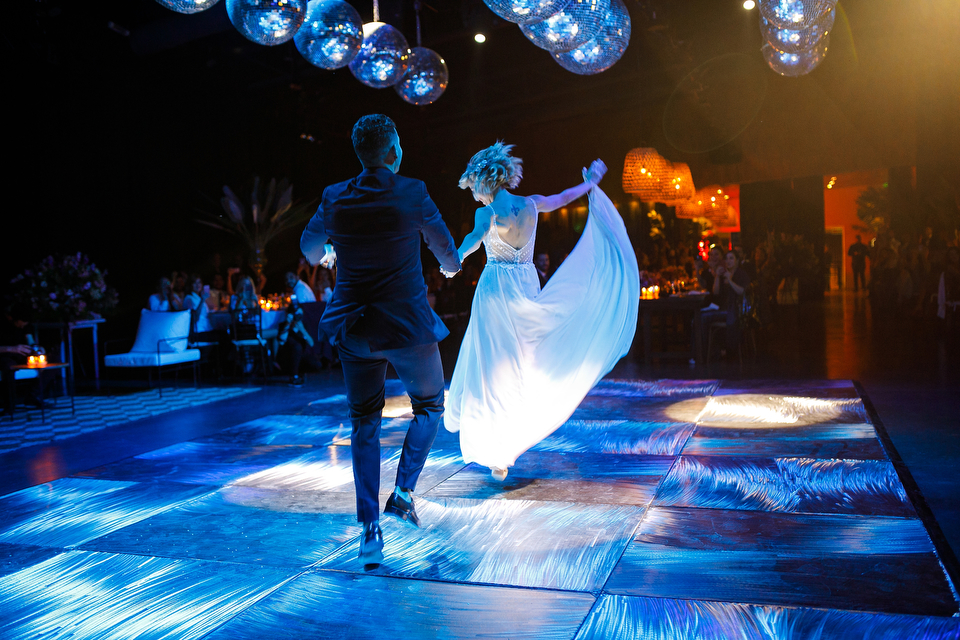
(20, 350)
(329, 258)
(449, 274)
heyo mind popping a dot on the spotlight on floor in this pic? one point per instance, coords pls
(480, 37)
(749, 5)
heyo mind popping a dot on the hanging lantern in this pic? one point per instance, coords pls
(677, 184)
(382, 60)
(525, 11)
(709, 202)
(268, 22)
(644, 171)
(797, 40)
(796, 64)
(573, 26)
(331, 34)
(188, 6)
(795, 14)
(604, 49)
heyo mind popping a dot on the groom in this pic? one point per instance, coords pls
(379, 312)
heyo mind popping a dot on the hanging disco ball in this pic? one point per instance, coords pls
(796, 40)
(382, 60)
(331, 34)
(605, 48)
(426, 77)
(569, 28)
(795, 14)
(188, 6)
(525, 11)
(796, 64)
(268, 22)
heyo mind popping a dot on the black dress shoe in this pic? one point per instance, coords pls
(402, 510)
(371, 544)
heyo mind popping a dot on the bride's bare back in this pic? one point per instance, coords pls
(516, 219)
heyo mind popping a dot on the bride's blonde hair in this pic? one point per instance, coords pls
(492, 169)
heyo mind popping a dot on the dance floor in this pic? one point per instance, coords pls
(661, 510)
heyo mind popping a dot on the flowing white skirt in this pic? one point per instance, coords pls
(529, 357)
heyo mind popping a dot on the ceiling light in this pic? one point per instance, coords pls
(749, 5)
(480, 37)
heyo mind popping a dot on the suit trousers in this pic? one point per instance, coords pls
(364, 372)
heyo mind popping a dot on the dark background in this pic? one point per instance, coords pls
(115, 141)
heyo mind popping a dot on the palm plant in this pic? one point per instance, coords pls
(271, 212)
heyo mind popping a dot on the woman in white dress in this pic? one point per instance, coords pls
(528, 356)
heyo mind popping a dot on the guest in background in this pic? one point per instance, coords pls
(859, 253)
(299, 288)
(542, 262)
(708, 272)
(163, 299)
(323, 284)
(245, 307)
(195, 301)
(729, 288)
(245, 296)
(294, 341)
(215, 302)
(178, 280)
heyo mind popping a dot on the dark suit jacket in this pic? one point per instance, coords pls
(374, 222)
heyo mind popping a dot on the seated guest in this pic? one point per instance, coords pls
(215, 301)
(178, 284)
(542, 262)
(195, 301)
(729, 287)
(323, 284)
(245, 296)
(708, 272)
(245, 307)
(294, 340)
(164, 299)
(299, 288)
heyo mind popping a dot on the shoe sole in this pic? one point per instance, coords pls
(403, 518)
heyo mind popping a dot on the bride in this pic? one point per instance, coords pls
(528, 356)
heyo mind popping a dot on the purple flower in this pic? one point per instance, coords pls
(53, 296)
(86, 286)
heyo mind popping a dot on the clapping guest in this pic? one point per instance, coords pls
(245, 296)
(299, 288)
(163, 299)
(178, 285)
(215, 300)
(195, 301)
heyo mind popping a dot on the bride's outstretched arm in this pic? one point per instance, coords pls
(591, 177)
(471, 242)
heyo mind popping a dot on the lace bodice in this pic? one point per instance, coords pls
(499, 252)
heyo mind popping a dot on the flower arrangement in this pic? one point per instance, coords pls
(63, 288)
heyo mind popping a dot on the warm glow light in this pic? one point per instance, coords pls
(480, 37)
(749, 5)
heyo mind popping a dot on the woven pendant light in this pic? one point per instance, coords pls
(644, 174)
(709, 202)
(678, 185)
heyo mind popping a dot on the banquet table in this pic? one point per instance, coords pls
(220, 321)
(692, 304)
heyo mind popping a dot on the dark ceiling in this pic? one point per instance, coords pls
(129, 117)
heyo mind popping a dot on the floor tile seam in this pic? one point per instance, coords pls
(945, 554)
(918, 616)
(787, 513)
(86, 548)
(319, 570)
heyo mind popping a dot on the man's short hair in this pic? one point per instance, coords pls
(372, 136)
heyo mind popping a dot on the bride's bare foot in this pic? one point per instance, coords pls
(498, 473)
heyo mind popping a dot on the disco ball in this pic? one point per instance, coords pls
(188, 6)
(570, 27)
(383, 58)
(603, 51)
(268, 22)
(331, 35)
(525, 11)
(795, 14)
(796, 40)
(426, 77)
(796, 64)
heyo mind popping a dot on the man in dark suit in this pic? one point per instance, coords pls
(379, 312)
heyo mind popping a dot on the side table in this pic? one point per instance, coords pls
(40, 375)
(66, 354)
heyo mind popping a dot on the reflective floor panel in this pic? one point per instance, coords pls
(337, 605)
(230, 526)
(842, 562)
(628, 618)
(98, 595)
(506, 542)
(781, 410)
(286, 429)
(864, 487)
(846, 441)
(557, 477)
(618, 436)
